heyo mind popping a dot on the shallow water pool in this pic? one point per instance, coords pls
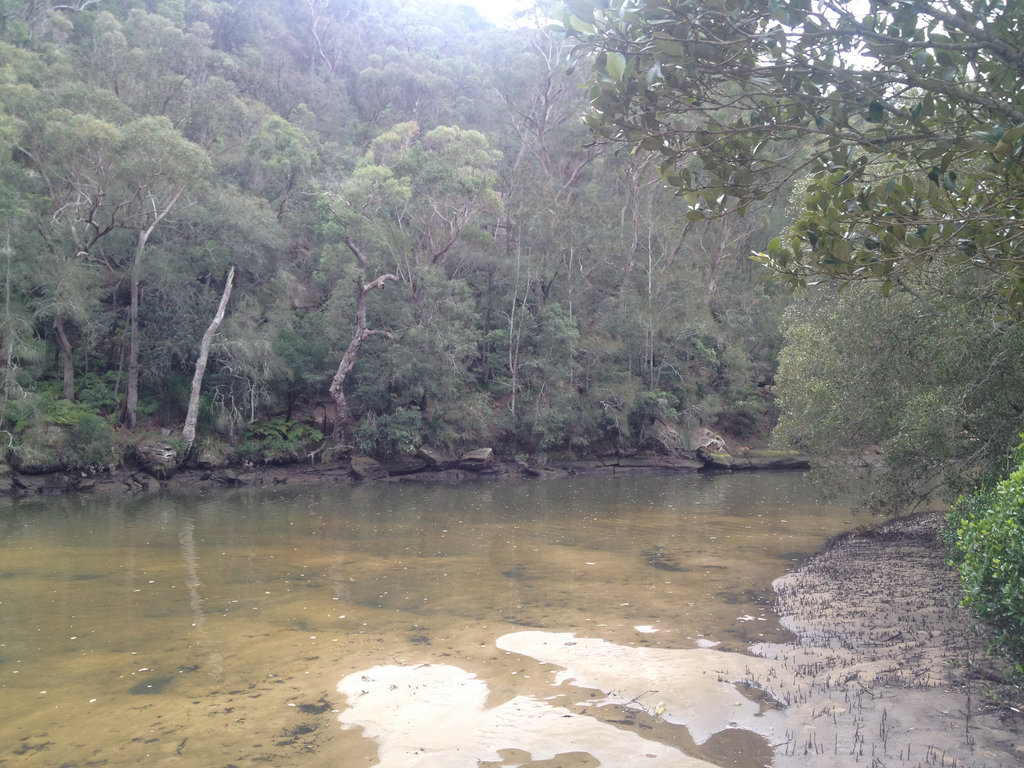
(215, 630)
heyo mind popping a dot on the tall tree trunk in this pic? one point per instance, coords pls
(9, 333)
(361, 334)
(348, 361)
(189, 432)
(67, 354)
(132, 399)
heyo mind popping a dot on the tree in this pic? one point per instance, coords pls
(405, 213)
(66, 138)
(120, 242)
(157, 165)
(907, 116)
(359, 335)
(449, 174)
(987, 533)
(188, 432)
(101, 170)
(281, 159)
(927, 378)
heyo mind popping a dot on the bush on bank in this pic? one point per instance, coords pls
(987, 530)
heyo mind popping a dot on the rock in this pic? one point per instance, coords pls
(716, 459)
(435, 460)
(478, 460)
(765, 459)
(232, 477)
(703, 439)
(59, 482)
(449, 476)
(301, 295)
(659, 461)
(365, 468)
(157, 458)
(405, 465)
(664, 439)
(212, 457)
(141, 482)
(25, 484)
(753, 459)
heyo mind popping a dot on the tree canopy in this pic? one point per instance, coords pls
(907, 117)
(540, 294)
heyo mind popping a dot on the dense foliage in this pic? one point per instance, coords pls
(907, 117)
(412, 209)
(925, 383)
(988, 539)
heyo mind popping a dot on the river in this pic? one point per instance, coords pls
(574, 622)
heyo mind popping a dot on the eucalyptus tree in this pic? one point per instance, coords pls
(557, 229)
(352, 210)
(157, 166)
(18, 342)
(102, 169)
(279, 161)
(65, 134)
(188, 432)
(401, 215)
(153, 63)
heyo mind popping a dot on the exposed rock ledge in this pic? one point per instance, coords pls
(154, 468)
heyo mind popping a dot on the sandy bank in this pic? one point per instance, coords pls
(886, 668)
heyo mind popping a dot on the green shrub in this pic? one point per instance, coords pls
(98, 392)
(168, 401)
(988, 543)
(649, 407)
(392, 434)
(277, 441)
(744, 418)
(92, 442)
(52, 433)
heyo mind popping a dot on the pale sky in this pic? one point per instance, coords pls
(498, 11)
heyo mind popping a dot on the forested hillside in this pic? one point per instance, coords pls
(427, 246)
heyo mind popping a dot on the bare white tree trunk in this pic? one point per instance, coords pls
(189, 432)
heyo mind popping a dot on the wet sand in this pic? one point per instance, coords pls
(886, 669)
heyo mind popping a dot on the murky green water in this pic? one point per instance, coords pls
(213, 631)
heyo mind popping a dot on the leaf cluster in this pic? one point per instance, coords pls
(988, 541)
(908, 117)
(278, 440)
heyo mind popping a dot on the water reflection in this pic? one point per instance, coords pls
(214, 630)
(192, 583)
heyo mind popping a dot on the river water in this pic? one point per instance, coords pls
(573, 622)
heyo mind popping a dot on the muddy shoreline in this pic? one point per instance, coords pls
(887, 669)
(355, 468)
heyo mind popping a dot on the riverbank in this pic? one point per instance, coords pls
(160, 470)
(886, 669)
